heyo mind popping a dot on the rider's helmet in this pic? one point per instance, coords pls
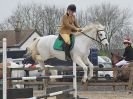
(72, 7)
(127, 41)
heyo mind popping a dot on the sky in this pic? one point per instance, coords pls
(8, 6)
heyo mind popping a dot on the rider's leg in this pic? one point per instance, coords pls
(66, 38)
(121, 63)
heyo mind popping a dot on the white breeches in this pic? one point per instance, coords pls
(121, 63)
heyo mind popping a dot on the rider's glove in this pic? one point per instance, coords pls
(79, 29)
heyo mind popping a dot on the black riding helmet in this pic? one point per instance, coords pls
(72, 7)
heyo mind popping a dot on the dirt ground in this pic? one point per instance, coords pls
(99, 95)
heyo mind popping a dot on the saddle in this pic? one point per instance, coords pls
(60, 45)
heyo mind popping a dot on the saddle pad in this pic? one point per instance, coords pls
(60, 44)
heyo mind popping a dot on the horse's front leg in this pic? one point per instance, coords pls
(53, 73)
(91, 67)
(79, 61)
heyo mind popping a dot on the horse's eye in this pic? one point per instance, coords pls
(100, 34)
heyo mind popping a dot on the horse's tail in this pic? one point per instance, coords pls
(32, 50)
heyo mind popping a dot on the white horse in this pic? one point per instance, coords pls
(42, 48)
(22, 73)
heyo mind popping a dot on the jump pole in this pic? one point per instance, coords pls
(75, 95)
(4, 70)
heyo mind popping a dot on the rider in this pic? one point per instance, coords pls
(128, 54)
(68, 26)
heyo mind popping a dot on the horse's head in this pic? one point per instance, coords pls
(115, 57)
(97, 31)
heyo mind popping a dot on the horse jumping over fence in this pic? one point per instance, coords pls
(42, 48)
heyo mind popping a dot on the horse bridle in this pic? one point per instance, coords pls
(97, 36)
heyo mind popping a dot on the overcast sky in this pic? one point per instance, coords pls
(8, 6)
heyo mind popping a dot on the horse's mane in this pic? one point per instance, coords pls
(116, 55)
(89, 27)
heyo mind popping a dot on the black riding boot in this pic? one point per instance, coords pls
(67, 52)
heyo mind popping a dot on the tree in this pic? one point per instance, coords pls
(51, 18)
(82, 18)
(111, 16)
(4, 26)
(44, 18)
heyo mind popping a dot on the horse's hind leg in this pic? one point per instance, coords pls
(42, 66)
(40, 60)
(90, 65)
(78, 60)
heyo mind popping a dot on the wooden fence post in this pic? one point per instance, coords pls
(130, 84)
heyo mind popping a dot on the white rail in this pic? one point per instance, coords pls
(4, 69)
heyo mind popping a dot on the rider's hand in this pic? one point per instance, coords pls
(79, 29)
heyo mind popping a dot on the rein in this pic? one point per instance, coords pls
(96, 37)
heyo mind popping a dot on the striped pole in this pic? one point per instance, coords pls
(41, 77)
(52, 94)
(74, 80)
(4, 70)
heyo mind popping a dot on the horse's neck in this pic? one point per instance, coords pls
(115, 60)
(118, 58)
(86, 41)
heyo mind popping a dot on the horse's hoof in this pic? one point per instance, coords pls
(89, 78)
(83, 81)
